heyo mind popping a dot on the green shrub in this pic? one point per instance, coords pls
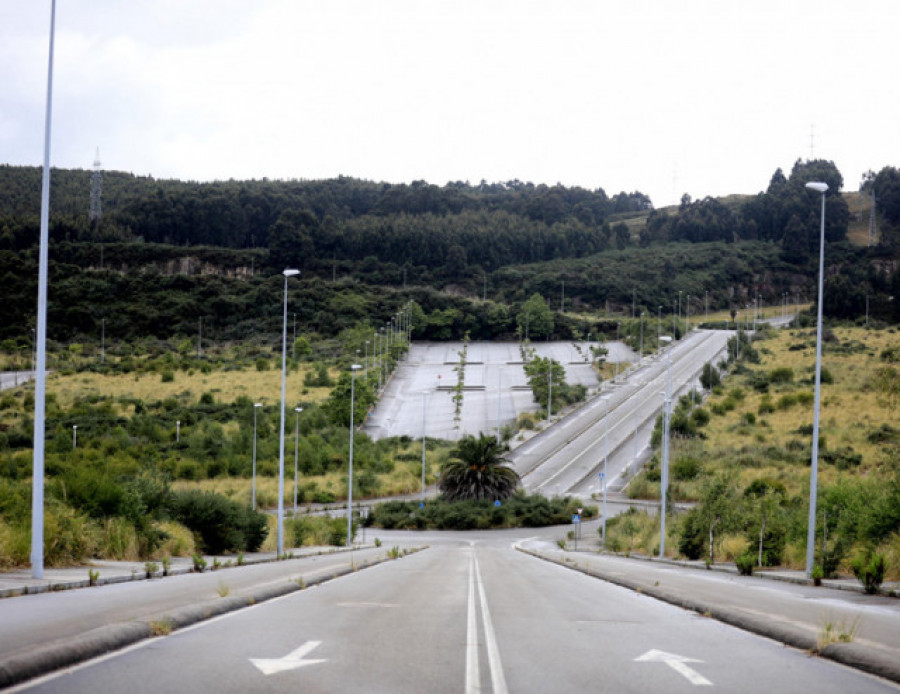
(691, 542)
(700, 417)
(745, 564)
(167, 376)
(786, 401)
(765, 406)
(885, 434)
(783, 374)
(842, 458)
(223, 525)
(869, 569)
(686, 469)
(804, 397)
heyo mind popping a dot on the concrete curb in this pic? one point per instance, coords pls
(61, 653)
(141, 575)
(851, 654)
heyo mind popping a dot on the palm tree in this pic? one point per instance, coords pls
(477, 470)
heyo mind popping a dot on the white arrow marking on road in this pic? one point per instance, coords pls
(678, 663)
(292, 661)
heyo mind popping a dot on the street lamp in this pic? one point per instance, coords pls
(664, 458)
(549, 389)
(424, 410)
(814, 467)
(658, 329)
(288, 273)
(605, 461)
(353, 369)
(298, 410)
(177, 431)
(641, 353)
(687, 313)
(74, 436)
(256, 407)
(40, 335)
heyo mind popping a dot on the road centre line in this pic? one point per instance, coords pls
(498, 681)
(473, 681)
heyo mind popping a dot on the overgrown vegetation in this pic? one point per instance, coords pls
(518, 510)
(746, 463)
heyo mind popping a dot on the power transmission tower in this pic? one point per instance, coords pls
(96, 186)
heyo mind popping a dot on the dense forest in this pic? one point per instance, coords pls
(168, 256)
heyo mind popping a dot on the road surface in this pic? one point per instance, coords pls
(466, 615)
(568, 457)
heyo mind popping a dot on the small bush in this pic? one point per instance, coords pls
(786, 401)
(685, 469)
(804, 397)
(783, 374)
(167, 376)
(869, 569)
(745, 564)
(765, 406)
(842, 458)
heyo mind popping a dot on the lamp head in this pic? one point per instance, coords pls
(257, 404)
(290, 272)
(817, 186)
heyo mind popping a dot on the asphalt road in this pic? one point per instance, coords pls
(465, 615)
(13, 379)
(616, 427)
(37, 617)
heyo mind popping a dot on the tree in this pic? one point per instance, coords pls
(716, 510)
(535, 319)
(542, 371)
(766, 499)
(477, 470)
(337, 407)
(291, 239)
(709, 377)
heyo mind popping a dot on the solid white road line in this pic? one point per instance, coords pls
(473, 679)
(498, 681)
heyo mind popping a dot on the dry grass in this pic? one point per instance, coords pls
(225, 386)
(405, 478)
(850, 409)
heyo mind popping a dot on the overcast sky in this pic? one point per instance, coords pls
(706, 97)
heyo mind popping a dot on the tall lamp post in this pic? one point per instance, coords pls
(298, 410)
(74, 436)
(256, 407)
(40, 335)
(353, 369)
(664, 457)
(424, 410)
(641, 353)
(605, 461)
(814, 467)
(288, 273)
